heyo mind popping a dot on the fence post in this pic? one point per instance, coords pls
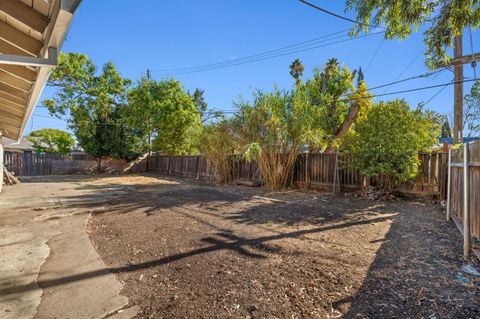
(449, 182)
(307, 175)
(466, 201)
(335, 172)
(198, 166)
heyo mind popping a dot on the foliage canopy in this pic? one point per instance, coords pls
(49, 140)
(336, 103)
(386, 141)
(166, 113)
(472, 109)
(91, 101)
(445, 20)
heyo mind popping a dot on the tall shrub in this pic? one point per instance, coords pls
(273, 130)
(386, 141)
(218, 146)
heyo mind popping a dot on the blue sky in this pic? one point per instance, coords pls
(157, 35)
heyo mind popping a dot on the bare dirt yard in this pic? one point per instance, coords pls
(186, 249)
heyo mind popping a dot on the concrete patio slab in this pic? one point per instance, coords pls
(45, 252)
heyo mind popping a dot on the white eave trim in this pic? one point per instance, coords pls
(56, 32)
(51, 61)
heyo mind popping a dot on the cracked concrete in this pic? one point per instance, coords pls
(45, 250)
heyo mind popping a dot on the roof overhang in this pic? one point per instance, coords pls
(31, 33)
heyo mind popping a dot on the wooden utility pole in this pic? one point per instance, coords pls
(458, 92)
(457, 63)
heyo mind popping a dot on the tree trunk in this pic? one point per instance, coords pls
(347, 123)
(366, 182)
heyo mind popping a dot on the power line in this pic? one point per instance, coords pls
(443, 85)
(424, 75)
(46, 116)
(436, 94)
(375, 54)
(291, 46)
(411, 90)
(339, 16)
(261, 56)
(202, 69)
(405, 69)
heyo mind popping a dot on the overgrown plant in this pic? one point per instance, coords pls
(336, 101)
(218, 146)
(386, 141)
(273, 130)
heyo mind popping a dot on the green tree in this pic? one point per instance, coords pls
(336, 102)
(442, 20)
(386, 141)
(472, 109)
(167, 114)
(446, 129)
(206, 114)
(49, 140)
(91, 101)
(273, 130)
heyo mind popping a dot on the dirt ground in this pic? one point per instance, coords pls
(185, 249)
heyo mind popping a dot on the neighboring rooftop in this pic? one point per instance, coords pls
(466, 139)
(19, 146)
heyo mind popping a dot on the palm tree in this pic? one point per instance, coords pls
(296, 71)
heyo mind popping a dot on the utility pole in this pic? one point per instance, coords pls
(149, 75)
(458, 91)
(457, 63)
(149, 79)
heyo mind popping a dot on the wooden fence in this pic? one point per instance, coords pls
(198, 167)
(432, 176)
(37, 164)
(29, 164)
(188, 166)
(463, 200)
(329, 172)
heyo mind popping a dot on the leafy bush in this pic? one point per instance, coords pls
(386, 141)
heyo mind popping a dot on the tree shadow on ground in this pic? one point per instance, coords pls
(228, 241)
(413, 273)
